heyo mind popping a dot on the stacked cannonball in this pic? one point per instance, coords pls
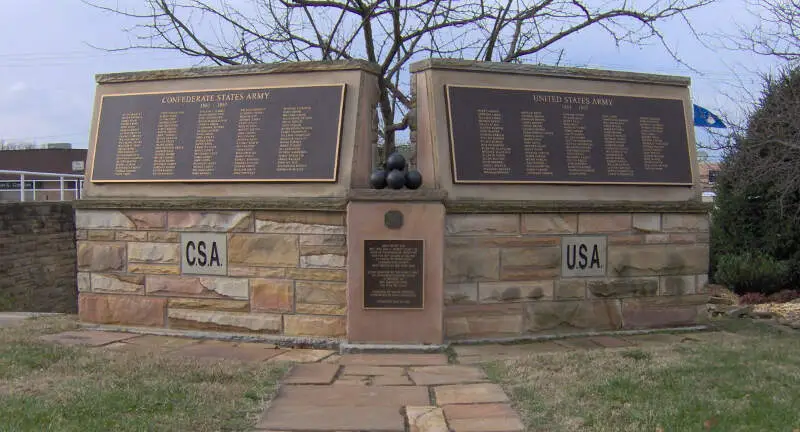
(395, 175)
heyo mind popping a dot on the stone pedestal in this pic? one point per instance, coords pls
(409, 321)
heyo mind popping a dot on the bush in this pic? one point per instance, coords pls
(752, 298)
(752, 273)
(783, 296)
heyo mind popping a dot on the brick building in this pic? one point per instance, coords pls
(708, 174)
(52, 158)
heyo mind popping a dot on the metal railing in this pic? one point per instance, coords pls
(34, 177)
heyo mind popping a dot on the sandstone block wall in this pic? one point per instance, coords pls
(37, 257)
(286, 271)
(503, 273)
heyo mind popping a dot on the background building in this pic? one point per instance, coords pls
(55, 158)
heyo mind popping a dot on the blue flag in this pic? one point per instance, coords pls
(705, 118)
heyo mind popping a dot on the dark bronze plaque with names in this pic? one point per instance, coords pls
(266, 134)
(393, 274)
(527, 136)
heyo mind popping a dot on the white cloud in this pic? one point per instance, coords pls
(18, 87)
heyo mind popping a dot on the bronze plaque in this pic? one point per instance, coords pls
(528, 136)
(393, 274)
(266, 134)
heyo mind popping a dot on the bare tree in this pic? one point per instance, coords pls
(389, 33)
(776, 32)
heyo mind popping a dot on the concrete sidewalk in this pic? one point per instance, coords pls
(7, 319)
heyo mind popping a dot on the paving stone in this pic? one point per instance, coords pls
(164, 342)
(394, 359)
(91, 338)
(425, 419)
(578, 343)
(312, 373)
(303, 355)
(352, 396)
(250, 352)
(372, 370)
(495, 424)
(469, 394)
(332, 359)
(439, 375)
(391, 380)
(476, 411)
(610, 342)
(312, 418)
(353, 380)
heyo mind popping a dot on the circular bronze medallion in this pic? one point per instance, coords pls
(393, 219)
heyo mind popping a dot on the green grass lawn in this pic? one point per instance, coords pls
(745, 378)
(46, 387)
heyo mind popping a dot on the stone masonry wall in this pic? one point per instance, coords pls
(37, 257)
(503, 273)
(286, 271)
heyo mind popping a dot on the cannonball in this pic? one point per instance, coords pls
(396, 161)
(413, 179)
(396, 179)
(378, 179)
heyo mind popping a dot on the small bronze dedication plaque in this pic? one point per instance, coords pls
(393, 274)
(269, 134)
(529, 136)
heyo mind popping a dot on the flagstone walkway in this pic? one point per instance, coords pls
(328, 392)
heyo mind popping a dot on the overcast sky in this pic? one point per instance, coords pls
(47, 67)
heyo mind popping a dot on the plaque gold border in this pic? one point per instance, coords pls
(334, 179)
(422, 279)
(454, 171)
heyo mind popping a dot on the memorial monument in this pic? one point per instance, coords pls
(248, 199)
